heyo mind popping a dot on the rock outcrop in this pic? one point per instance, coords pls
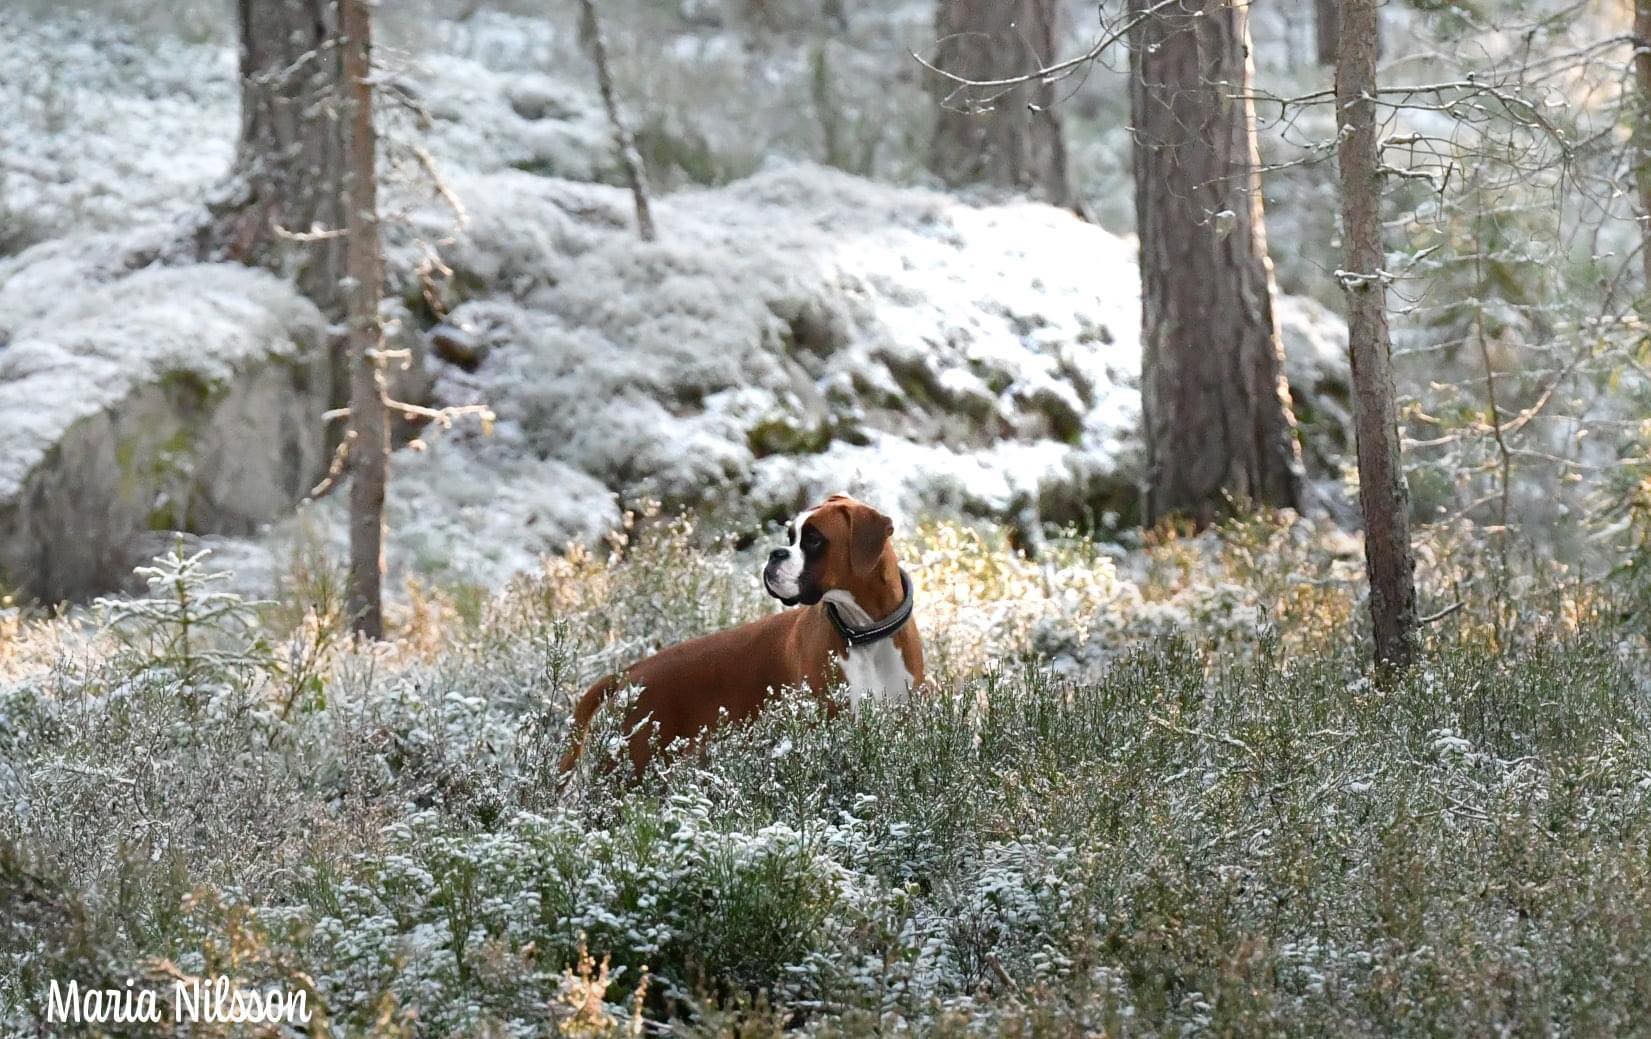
(794, 333)
(185, 398)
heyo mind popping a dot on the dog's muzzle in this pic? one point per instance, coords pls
(780, 576)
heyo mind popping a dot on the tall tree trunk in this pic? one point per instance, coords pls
(1326, 28)
(1219, 424)
(1010, 137)
(369, 451)
(629, 158)
(301, 200)
(1383, 495)
(281, 207)
(1642, 138)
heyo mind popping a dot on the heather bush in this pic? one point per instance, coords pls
(1152, 792)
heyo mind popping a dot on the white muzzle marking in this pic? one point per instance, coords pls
(782, 579)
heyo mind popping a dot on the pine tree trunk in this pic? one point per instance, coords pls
(1219, 424)
(1383, 494)
(369, 422)
(1326, 28)
(280, 208)
(301, 200)
(629, 158)
(1009, 137)
(1642, 138)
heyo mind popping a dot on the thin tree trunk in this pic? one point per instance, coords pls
(1383, 495)
(369, 422)
(281, 206)
(1008, 137)
(1642, 138)
(1219, 422)
(629, 158)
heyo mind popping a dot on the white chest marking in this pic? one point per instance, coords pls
(877, 671)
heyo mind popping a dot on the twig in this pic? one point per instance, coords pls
(629, 157)
(444, 416)
(1442, 614)
(307, 236)
(340, 462)
(1218, 737)
(1049, 71)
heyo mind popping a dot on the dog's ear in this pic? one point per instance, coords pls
(868, 531)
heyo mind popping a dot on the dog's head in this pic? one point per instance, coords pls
(832, 546)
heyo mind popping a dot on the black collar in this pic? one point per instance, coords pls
(883, 628)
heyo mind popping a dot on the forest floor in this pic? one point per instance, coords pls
(1149, 792)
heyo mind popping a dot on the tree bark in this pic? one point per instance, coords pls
(629, 158)
(1383, 494)
(301, 200)
(1326, 28)
(1642, 138)
(369, 452)
(281, 206)
(1008, 137)
(1219, 422)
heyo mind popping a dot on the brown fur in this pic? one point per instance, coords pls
(690, 688)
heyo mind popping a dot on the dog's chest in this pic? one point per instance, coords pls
(877, 671)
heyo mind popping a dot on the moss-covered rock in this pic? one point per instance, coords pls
(170, 399)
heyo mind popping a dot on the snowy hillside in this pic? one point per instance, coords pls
(794, 333)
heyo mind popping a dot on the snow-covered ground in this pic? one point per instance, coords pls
(793, 333)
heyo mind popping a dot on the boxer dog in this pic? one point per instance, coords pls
(854, 625)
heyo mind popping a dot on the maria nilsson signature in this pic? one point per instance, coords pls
(201, 1000)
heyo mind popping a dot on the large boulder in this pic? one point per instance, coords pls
(185, 398)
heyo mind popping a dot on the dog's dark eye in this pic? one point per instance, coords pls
(791, 533)
(812, 538)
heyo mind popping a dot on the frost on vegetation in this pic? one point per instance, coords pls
(106, 125)
(1151, 792)
(795, 333)
(800, 328)
(387, 822)
(187, 622)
